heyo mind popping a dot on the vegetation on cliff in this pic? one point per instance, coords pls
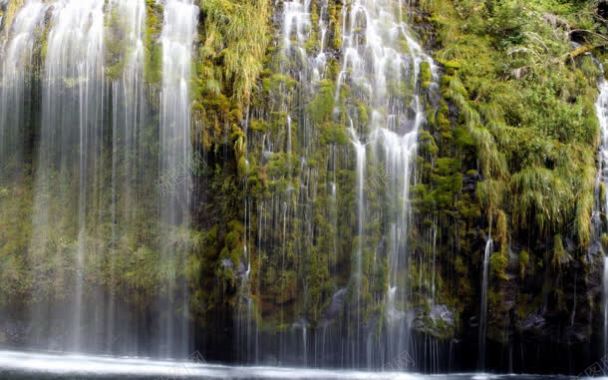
(517, 121)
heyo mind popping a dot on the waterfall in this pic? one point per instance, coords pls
(71, 133)
(129, 176)
(349, 99)
(373, 61)
(483, 309)
(129, 105)
(111, 159)
(361, 156)
(177, 39)
(179, 30)
(601, 107)
(289, 210)
(72, 170)
(16, 83)
(112, 162)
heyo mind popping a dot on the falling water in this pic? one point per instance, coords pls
(361, 157)
(605, 306)
(129, 105)
(16, 83)
(373, 61)
(72, 122)
(129, 176)
(290, 209)
(601, 107)
(361, 154)
(105, 165)
(179, 31)
(379, 67)
(111, 162)
(483, 310)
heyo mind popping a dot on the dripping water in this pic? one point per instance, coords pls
(289, 210)
(601, 197)
(372, 61)
(483, 310)
(361, 153)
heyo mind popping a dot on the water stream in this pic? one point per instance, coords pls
(601, 107)
(483, 309)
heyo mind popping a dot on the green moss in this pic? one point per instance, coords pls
(334, 134)
(321, 107)
(604, 240)
(514, 120)
(524, 262)
(425, 75)
(116, 49)
(9, 16)
(498, 265)
(516, 110)
(153, 62)
(238, 32)
(560, 257)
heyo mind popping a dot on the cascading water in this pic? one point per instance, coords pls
(601, 107)
(373, 61)
(16, 73)
(71, 133)
(111, 172)
(177, 39)
(483, 309)
(290, 210)
(372, 84)
(338, 257)
(129, 153)
(361, 154)
(112, 188)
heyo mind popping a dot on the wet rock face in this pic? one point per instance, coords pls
(534, 324)
(336, 306)
(439, 321)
